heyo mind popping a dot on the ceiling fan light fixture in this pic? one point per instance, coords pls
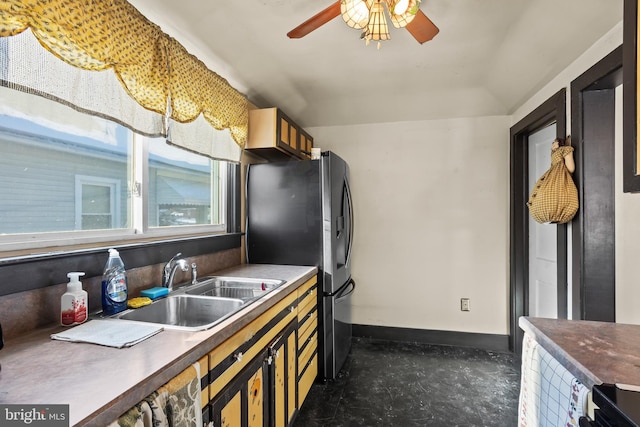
(355, 13)
(377, 28)
(403, 12)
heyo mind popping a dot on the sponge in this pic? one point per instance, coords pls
(154, 293)
(138, 302)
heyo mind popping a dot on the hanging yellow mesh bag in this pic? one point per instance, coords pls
(555, 197)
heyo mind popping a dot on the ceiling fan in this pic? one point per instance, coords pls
(368, 15)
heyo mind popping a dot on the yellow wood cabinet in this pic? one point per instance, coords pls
(262, 374)
(243, 402)
(256, 377)
(274, 136)
(283, 351)
(307, 345)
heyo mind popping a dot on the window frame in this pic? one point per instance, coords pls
(139, 231)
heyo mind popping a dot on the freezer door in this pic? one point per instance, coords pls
(337, 330)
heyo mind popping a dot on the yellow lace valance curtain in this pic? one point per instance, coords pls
(154, 68)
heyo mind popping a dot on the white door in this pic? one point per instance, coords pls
(543, 257)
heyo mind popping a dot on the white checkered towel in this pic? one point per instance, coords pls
(550, 396)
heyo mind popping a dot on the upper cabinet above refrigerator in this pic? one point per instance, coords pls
(274, 136)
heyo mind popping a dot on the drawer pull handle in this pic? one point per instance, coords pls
(238, 356)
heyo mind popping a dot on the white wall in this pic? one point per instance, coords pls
(431, 203)
(431, 221)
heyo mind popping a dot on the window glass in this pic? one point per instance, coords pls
(60, 178)
(96, 207)
(68, 177)
(184, 187)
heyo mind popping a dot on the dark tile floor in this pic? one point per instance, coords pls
(410, 384)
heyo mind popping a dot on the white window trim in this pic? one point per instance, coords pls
(114, 201)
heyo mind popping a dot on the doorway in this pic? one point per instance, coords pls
(543, 250)
(552, 117)
(590, 256)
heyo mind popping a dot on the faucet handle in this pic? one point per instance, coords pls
(194, 273)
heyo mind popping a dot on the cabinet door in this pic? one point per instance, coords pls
(305, 144)
(284, 369)
(242, 402)
(287, 132)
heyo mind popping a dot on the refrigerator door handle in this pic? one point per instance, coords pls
(246, 216)
(351, 223)
(341, 293)
(347, 290)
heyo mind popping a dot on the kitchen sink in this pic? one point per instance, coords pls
(187, 312)
(243, 288)
(202, 305)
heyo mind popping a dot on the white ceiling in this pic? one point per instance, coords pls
(489, 57)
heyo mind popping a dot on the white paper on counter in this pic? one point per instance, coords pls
(111, 333)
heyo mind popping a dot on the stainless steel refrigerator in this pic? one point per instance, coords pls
(300, 213)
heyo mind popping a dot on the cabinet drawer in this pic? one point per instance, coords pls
(306, 287)
(234, 354)
(307, 304)
(307, 328)
(306, 380)
(304, 312)
(305, 353)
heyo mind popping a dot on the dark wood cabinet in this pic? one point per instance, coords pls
(274, 136)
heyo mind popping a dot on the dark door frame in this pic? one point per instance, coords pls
(593, 228)
(551, 111)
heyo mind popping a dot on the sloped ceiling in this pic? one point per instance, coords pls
(489, 57)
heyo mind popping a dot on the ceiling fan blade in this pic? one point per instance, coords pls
(421, 28)
(316, 21)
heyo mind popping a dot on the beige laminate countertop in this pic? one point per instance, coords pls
(594, 352)
(100, 383)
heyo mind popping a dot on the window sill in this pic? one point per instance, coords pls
(27, 270)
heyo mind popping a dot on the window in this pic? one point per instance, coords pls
(184, 188)
(76, 178)
(96, 203)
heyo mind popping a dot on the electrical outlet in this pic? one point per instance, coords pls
(465, 304)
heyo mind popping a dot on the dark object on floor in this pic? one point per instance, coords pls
(393, 384)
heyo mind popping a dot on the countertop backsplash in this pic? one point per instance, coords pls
(22, 312)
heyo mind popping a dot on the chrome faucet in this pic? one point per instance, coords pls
(170, 268)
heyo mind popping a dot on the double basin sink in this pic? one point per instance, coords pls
(202, 305)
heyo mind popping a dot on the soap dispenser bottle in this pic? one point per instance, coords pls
(74, 302)
(114, 285)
